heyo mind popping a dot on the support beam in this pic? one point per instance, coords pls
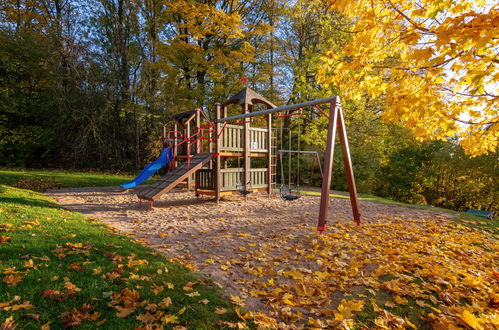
(328, 165)
(218, 144)
(347, 163)
(246, 147)
(279, 109)
(269, 149)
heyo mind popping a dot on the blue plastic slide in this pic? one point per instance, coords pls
(149, 170)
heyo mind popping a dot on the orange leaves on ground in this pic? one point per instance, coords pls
(126, 302)
(471, 320)
(156, 289)
(347, 309)
(4, 239)
(8, 324)
(14, 306)
(76, 316)
(12, 280)
(57, 295)
(439, 266)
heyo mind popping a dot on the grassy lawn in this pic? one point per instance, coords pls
(59, 269)
(47, 179)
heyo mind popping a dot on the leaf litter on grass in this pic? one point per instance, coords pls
(432, 272)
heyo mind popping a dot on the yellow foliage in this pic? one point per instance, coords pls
(435, 62)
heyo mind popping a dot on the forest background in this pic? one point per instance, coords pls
(88, 84)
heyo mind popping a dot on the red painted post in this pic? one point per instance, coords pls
(328, 165)
(150, 205)
(347, 163)
(140, 202)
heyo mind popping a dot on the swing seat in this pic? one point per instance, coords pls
(244, 190)
(288, 197)
(287, 194)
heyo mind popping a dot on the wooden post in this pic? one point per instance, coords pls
(269, 155)
(246, 147)
(218, 144)
(328, 165)
(163, 136)
(198, 126)
(347, 163)
(188, 149)
(175, 141)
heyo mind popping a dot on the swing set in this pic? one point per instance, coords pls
(336, 126)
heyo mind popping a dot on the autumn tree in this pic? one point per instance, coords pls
(433, 62)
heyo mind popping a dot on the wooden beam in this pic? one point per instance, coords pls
(328, 165)
(269, 153)
(218, 144)
(347, 163)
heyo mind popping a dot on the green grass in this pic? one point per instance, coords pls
(56, 179)
(47, 247)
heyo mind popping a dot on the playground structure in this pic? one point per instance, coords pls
(211, 153)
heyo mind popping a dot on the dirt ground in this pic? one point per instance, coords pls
(212, 235)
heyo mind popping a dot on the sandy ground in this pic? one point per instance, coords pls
(208, 234)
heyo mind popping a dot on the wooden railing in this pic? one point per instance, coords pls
(205, 179)
(232, 178)
(258, 139)
(232, 139)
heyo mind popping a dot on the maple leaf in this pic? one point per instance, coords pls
(54, 295)
(165, 302)
(346, 308)
(400, 300)
(4, 239)
(146, 318)
(193, 294)
(8, 324)
(237, 300)
(24, 305)
(470, 320)
(169, 319)
(157, 289)
(12, 280)
(124, 311)
(220, 311)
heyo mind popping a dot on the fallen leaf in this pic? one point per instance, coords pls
(470, 320)
(4, 239)
(169, 319)
(8, 324)
(12, 280)
(220, 311)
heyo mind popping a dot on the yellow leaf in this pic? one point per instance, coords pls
(400, 300)
(237, 300)
(470, 320)
(165, 302)
(169, 319)
(220, 311)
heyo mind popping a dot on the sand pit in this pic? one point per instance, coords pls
(217, 237)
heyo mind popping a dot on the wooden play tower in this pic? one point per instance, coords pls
(216, 158)
(207, 156)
